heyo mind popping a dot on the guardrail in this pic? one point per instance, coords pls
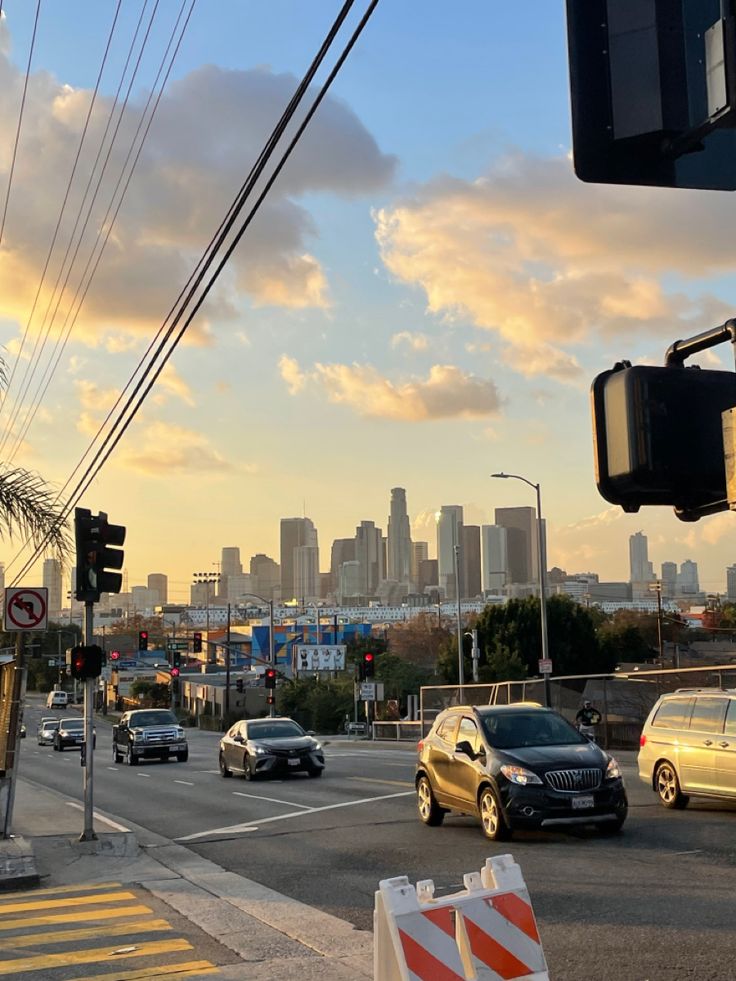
(397, 731)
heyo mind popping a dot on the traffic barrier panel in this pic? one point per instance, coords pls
(487, 932)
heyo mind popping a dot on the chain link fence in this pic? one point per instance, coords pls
(623, 698)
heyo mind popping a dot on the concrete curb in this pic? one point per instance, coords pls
(17, 864)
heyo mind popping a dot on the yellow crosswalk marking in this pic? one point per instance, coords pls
(182, 970)
(56, 889)
(84, 915)
(104, 897)
(64, 936)
(45, 962)
(393, 783)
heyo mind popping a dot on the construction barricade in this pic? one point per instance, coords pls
(486, 932)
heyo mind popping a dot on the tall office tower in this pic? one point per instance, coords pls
(265, 576)
(52, 582)
(159, 583)
(450, 536)
(428, 575)
(495, 559)
(687, 581)
(306, 573)
(343, 550)
(143, 599)
(521, 543)
(669, 579)
(641, 570)
(419, 552)
(349, 581)
(295, 533)
(731, 583)
(471, 561)
(369, 553)
(399, 538)
(230, 565)
(240, 588)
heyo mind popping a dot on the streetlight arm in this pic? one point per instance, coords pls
(516, 476)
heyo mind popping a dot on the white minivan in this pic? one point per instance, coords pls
(57, 699)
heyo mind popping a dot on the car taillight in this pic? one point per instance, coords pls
(642, 739)
(420, 746)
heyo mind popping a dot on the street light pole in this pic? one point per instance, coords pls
(541, 563)
(460, 664)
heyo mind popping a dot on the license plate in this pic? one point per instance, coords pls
(294, 762)
(578, 803)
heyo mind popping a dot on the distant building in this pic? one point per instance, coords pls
(669, 580)
(521, 542)
(265, 576)
(428, 575)
(306, 573)
(450, 537)
(687, 580)
(471, 581)
(641, 570)
(159, 583)
(419, 552)
(144, 600)
(495, 560)
(298, 533)
(399, 538)
(343, 550)
(731, 583)
(52, 582)
(369, 553)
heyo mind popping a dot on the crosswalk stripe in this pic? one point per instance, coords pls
(393, 783)
(105, 897)
(44, 962)
(23, 922)
(65, 936)
(58, 889)
(182, 970)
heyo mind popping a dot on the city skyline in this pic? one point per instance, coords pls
(345, 349)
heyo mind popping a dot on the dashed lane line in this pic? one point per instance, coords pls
(186, 783)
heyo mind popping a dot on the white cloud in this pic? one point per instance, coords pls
(161, 449)
(292, 374)
(415, 341)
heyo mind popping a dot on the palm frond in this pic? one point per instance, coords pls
(28, 507)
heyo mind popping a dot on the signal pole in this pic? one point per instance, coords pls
(89, 739)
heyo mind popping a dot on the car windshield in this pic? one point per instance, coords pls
(514, 730)
(73, 724)
(50, 725)
(274, 730)
(153, 718)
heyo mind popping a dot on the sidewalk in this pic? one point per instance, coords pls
(276, 938)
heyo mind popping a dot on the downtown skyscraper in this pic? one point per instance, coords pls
(399, 538)
(299, 559)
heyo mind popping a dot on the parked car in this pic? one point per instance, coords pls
(264, 747)
(516, 766)
(71, 733)
(46, 731)
(148, 734)
(57, 699)
(688, 746)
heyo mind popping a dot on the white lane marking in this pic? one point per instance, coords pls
(695, 851)
(206, 771)
(98, 816)
(113, 768)
(185, 782)
(146, 775)
(274, 800)
(237, 828)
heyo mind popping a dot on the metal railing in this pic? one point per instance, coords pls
(397, 731)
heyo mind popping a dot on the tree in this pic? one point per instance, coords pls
(419, 641)
(29, 508)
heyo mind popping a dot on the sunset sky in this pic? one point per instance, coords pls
(423, 300)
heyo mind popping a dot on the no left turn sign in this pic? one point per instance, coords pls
(26, 609)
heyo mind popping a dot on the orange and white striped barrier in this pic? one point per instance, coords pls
(487, 932)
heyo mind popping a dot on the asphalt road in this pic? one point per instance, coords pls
(652, 903)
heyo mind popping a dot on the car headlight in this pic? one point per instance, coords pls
(179, 733)
(137, 733)
(613, 770)
(517, 774)
(259, 750)
(316, 747)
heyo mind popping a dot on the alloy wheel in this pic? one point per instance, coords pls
(424, 799)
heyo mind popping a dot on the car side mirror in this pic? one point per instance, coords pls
(311, 732)
(465, 747)
(237, 738)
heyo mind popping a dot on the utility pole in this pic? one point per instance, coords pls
(657, 587)
(89, 738)
(227, 666)
(16, 707)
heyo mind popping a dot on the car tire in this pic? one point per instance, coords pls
(430, 812)
(116, 757)
(492, 821)
(223, 768)
(183, 757)
(131, 759)
(667, 787)
(316, 772)
(248, 774)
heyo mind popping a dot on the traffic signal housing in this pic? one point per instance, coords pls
(269, 678)
(658, 437)
(85, 662)
(142, 640)
(176, 658)
(98, 551)
(114, 655)
(174, 671)
(239, 685)
(369, 664)
(197, 643)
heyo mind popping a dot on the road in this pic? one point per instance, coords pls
(652, 903)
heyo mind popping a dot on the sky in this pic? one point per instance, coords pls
(423, 299)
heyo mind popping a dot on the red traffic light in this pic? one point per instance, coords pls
(368, 658)
(114, 655)
(369, 664)
(270, 677)
(142, 640)
(175, 672)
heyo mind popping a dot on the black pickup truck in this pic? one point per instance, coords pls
(148, 734)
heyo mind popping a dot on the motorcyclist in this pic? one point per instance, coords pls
(587, 719)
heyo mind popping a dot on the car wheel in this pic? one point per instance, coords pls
(316, 772)
(668, 787)
(183, 757)
(247, 772)
(116, 757)
(492, 820)
(430, 811)
(131, 758)
(223, 768)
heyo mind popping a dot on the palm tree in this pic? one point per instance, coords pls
(29, 507)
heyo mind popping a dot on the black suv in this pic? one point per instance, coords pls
(516, 766)
(148, 734)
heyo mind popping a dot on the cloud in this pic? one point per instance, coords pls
(446, 393)
(548, 263)
(210, 125)
(415, 341)
(162, 449)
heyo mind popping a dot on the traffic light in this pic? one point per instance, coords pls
(176, 658)
(652, 92)
(270, 699)
(239, 685)
(369, 664)
(114, 655)
(142, 640)
(85, 662)
(175, 672)
(98, 551)
(658, 437)
(270, 678)
(197, 643)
